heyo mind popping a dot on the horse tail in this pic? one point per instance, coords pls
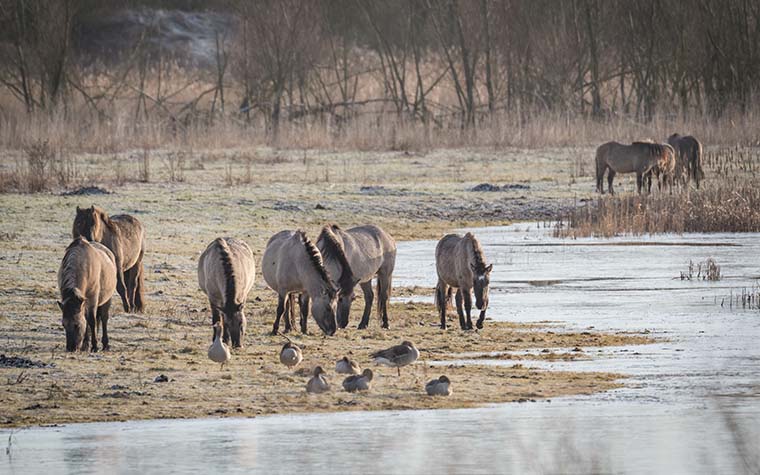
(601, 167)
(695, 160)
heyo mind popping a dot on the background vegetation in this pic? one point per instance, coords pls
(376, 74)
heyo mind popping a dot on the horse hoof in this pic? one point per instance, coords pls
(479, 325)
(362, 327)
(385, 326)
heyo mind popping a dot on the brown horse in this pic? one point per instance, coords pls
(125, 237)
(226, 272)
(87, 281)
(460, 263)
(663, 171)
(689, 153)
(639, 158)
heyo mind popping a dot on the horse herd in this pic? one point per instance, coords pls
(676, 162)
(106, 256)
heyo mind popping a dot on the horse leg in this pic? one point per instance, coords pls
(440, 300)
(280, 311)
(130, 279)
(120, 288)
(610, 178)
(92, 325)
(468, 307)
(139, 294)
(460, 311)
(369, 297)
(383, 295)
(103, 317)
(639, 181)
(303, 300)
(289, 312)
(215, 317)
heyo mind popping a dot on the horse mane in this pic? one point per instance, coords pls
(654, 149)
(477, 253)
(68, 272)
(335, 249)
(229, 273)
(315, 257)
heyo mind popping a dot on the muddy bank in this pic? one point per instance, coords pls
(171, 341)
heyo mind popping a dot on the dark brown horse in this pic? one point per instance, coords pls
(125, 237)
(688, 152)
(87, 281)
(638, 158)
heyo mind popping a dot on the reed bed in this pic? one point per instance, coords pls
(728, 201)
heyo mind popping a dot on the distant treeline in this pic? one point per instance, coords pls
(422, 59)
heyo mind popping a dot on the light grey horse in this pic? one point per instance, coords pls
(293, 264)
(460, 263)
(369, 251)
(226, 272)
(688, 156)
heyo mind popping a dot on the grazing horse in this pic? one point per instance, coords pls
(293, 264)
(124, 235)
(460, 263)
(689, 153)
(87, 281)
(226, 272)
(664, 171)
(368, 251)
(639, 158)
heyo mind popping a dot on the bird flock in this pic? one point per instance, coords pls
(291, 355)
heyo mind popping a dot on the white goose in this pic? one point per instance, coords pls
(218, 352)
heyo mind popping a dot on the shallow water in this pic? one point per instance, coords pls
(692, 404)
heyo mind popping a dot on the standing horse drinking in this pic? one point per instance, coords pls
(461, 264)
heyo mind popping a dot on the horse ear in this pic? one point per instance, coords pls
(60, 304)
(489, 268)
(79, 210)
(92, 208)
(239, 307)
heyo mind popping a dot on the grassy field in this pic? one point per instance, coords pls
(188, 201)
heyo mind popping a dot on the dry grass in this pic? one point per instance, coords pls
(365, 130)
(728, 201)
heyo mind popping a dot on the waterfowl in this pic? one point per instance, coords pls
(397, 356)
(358, 382)
(218, 352)
(317, 384)
(438, 387)
(290, 355)
(346, 366)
